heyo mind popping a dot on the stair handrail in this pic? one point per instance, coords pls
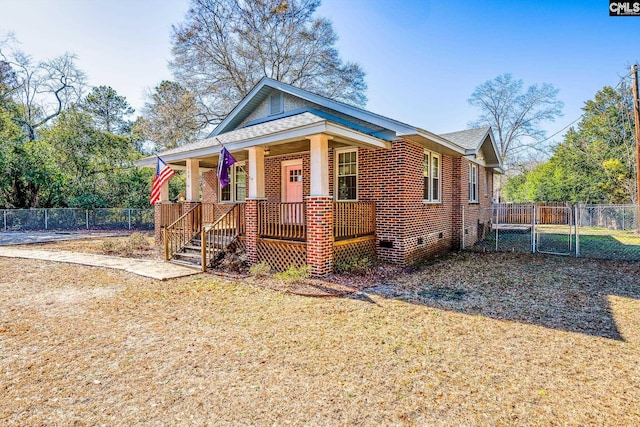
(221, 233)
(191, 226)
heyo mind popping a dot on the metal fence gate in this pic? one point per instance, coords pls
(554, 231)
(581, 230)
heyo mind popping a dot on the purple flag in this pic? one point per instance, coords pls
(226, 160)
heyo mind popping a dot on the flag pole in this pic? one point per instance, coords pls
(241, 166)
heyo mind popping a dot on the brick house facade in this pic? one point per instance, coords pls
(418, 182)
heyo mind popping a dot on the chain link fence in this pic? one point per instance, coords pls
(588, 231)
(77, 219)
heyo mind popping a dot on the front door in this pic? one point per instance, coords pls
(292, 186)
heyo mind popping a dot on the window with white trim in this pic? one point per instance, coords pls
(347, 174)
(236, 191)
(431, 173)
(473, 183)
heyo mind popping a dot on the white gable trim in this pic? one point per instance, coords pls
(385, 122)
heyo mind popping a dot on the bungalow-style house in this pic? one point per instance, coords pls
(320, 182)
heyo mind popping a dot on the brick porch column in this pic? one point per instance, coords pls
(320, 235)
(319, 208)
(251, 224)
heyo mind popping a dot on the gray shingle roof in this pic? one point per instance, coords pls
(469, 139)
(250, 132)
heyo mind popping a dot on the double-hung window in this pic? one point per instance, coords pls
(473, 183)
(432, 172)
(236, 191)
(347, 174)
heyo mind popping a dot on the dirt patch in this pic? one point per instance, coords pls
(469, 340)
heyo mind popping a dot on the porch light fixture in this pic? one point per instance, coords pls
(267, 150)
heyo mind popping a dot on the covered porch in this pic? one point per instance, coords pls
(284, 205)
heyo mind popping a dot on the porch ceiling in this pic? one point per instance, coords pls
(282, 136)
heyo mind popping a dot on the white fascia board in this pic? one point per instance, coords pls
(345, 132)
(437, 139)
(238, 108)
(494, 146)
(146, 161)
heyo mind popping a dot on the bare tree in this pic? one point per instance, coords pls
(169, 117)
(42, 89)
(224, 47)
(515, 115)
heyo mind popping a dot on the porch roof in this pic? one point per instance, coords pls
(288, 129)
(478, 143)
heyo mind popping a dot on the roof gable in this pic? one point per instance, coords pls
(266, 86)
(478, 142)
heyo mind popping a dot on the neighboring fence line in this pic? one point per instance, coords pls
(581, 230)
(77, 219)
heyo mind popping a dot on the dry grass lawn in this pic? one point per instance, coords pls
(475, 339)
(144, 246)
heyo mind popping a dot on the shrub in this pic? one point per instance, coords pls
(358, 265)
(294, 274)
(260, 269)
(138, 241)
(108, 247)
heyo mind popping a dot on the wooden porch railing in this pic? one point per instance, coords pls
(286, 221)
(217, 236)
(179, 233)
(353, 219)
(169, 213)
(211, 212)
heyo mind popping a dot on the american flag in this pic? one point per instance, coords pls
(163, 174)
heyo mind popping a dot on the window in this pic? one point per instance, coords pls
(240, 184)
(236, 191)
(431, 173)
(486, 182)
(347, 175)
(473, 182)
(276, 104)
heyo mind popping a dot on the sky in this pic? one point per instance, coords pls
(423, 59)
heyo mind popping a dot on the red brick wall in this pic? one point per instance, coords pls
(393, 179)
(477, 216)
(273, 175)
(210, 187)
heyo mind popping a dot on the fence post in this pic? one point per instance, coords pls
(46, 225)
(129, 210)
(5, 219)
(533, 228)
(86, 216)
(577, 226)
(497, 226)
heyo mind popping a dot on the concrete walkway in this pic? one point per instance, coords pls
(26, 237)
(142, 267)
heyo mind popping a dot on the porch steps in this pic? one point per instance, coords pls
(185, 263)
(191, 255)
